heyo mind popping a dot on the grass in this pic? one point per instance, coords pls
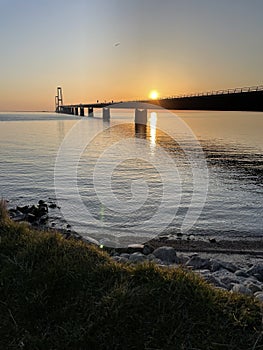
(64, 294)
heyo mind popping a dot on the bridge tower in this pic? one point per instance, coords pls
(59, 99)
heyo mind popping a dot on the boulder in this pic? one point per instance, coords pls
(166, 254)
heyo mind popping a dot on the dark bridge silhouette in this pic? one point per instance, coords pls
(239, 99)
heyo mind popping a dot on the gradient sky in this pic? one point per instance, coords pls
(173, 46)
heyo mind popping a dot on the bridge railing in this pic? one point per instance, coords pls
(218, 92)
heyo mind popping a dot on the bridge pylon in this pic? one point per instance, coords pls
(59, 99)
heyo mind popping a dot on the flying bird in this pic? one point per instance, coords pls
(117, 44)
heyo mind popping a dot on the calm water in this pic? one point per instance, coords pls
(232, 144)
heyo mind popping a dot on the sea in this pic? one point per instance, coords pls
(187, 174)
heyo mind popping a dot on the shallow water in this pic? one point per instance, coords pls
(232, 145)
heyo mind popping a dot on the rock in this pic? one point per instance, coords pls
(166, 254)
(147, 249)
(151, 257)
(259, 296)
(137, 257)
(215, 265)
(163, 237)
(257, 271)
(182, 259)
(132, 248)
(215, 281)
(52, 206)
(68, 226)
(212, 240)
(241, 273)
(19, 217)
(43, 220)
(228, 266)
(23, 210)
(240, 288)
(198, 263)
(41, 202)
(253, 287)
(125, 255)
(31, 218)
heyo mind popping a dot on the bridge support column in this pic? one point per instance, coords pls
(90, 112)
(81, 111)
(76, 111)
(106, 113)
(141, 116)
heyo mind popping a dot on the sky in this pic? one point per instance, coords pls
(122, 49)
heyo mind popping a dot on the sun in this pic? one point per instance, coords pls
(153, 95)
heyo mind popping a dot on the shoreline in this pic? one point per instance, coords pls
(38, 217)
(225, 246)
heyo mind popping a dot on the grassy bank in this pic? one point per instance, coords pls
(63, 294)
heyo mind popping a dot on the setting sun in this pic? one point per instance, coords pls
(154, 95)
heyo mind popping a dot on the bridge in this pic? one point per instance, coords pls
(238, 99)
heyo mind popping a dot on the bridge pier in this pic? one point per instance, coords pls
(140, 116)
(81, 111)
(90, 112)
(106, 113)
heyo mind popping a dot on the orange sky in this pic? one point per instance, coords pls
(121, 50)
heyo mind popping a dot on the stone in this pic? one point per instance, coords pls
(52, 206)
(259, 296)
(41, 202)
(137, 257)
(166, 254)
(215, 281)
(241, 273)
(253, 287)
(147, 249)
(23, 210)
(125, 255)
(215, 265)
(43, 220)
(182, 259)
(132, 248)
(228, 266)
(198, 263)
(19, 217)
(31, 217)
(240, 288)
(257, 271)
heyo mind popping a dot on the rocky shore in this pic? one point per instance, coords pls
(235, 266)
(241, 276)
